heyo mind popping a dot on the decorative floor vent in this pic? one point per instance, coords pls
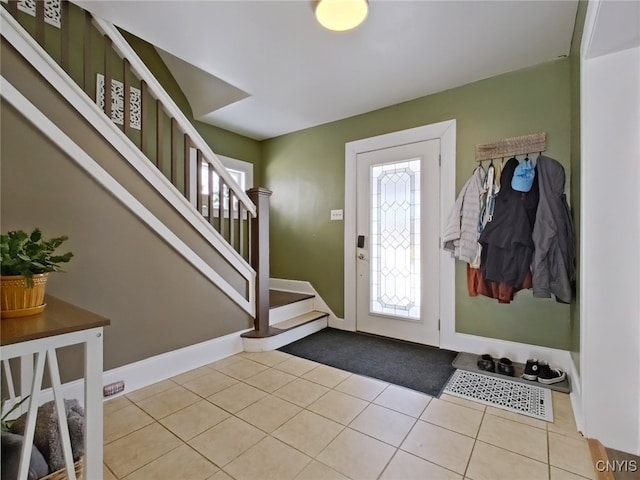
(516, 397)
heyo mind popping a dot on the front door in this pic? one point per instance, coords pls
(397, 225)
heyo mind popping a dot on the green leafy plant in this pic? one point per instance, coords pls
(28, 255)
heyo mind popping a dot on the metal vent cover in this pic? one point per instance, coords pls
(517, 397)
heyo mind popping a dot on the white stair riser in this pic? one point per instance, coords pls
(285, 338)
(285, 312)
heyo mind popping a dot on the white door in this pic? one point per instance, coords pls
(397, 225)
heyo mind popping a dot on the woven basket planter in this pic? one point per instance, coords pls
(18, 300)
(62, 474)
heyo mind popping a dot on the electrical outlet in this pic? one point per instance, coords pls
(113, 388)
(336, 214)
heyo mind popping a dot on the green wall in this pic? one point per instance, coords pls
(574, 58)
(305, 170)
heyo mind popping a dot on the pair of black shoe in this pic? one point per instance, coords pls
(503, 367)
(540, 371)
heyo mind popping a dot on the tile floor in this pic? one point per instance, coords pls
(270, 415)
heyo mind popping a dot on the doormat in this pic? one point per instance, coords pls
(418, 367)
(513, 396)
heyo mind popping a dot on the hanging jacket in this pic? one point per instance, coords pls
(507, 245)
(461, 232)
(554, 259)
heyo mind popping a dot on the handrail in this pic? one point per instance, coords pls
(122, 47)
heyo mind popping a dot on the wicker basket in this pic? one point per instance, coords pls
(17, 300)
(62, 474)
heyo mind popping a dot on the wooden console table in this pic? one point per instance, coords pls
(35, 338)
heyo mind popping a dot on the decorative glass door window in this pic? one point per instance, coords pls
(395, 239)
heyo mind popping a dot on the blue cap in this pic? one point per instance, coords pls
(523, 177)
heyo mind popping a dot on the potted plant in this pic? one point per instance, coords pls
(26, 261)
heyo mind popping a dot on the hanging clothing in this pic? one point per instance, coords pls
(553, 236)
(477, 285)
(461, 232)
(506, 241)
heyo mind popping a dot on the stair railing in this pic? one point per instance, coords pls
(150, 118)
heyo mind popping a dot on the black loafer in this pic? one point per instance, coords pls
(486, 363)
(505, 367)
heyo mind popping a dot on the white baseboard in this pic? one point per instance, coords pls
(576, 396)
(160, 367)
(517, 352)
(300, 286)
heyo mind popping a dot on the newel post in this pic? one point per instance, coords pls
(260, 257)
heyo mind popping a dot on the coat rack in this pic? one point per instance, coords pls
(510, 147)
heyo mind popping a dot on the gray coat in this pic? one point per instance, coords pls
(553, 236)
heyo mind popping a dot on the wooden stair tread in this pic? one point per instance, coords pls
(299, 320)
(279, 298)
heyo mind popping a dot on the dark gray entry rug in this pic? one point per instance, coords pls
(419, 367)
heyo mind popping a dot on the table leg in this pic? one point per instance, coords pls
(93, 405)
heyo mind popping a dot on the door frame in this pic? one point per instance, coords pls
(446, 133)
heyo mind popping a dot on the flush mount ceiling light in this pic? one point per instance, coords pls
(341, 15)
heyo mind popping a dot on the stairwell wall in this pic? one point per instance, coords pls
(156, 300)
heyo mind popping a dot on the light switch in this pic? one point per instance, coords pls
(336, 214)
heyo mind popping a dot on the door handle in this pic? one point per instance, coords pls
(360, 241)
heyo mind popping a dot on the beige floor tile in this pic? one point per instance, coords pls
(225, 361)
(362, 387)
(227, 440)
(356, 455)
(151, 390)
(194, 419)
(308, 432)
(269, 413)
(242, 369)
(301, 392)
(270, 358)
(403, 400)
(338, 406)
(210, 383)
(270, 380)
(463, 401)
(115, 404)
(327, 376)
(191, 375)
(571, 454)
(516, 437)
(168, 402)
(454, 417)
(270, 459)
(237, 397)
(107, 474)
(517, 417)
(493, 463)
(404, 466)
(124, 421)
(129, 453)
(438, 445)
(319, 471)
(182, 462)
(296, 366)
(563, 419)
(384, 424)
(558, 474)
(220, 475)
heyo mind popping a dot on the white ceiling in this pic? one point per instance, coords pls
(277, 71)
